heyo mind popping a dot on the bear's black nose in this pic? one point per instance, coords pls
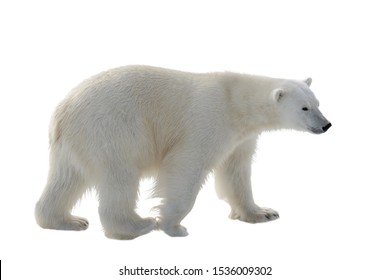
(326, 127)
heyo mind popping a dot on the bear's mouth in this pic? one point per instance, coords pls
(319, 130)
(316, 130)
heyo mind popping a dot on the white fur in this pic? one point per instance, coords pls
(136, 121)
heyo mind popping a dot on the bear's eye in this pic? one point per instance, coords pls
(305, 109)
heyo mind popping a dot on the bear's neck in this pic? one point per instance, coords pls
(250, 101)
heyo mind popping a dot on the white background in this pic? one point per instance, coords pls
(331, 190)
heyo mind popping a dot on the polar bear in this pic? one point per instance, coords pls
(140, 121)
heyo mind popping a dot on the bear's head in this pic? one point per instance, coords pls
(298, 107)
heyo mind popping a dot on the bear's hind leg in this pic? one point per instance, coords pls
(64, 188)
(118, 192)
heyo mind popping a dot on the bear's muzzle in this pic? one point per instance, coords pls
(326, 127)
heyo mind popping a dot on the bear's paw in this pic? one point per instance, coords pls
(254, 215)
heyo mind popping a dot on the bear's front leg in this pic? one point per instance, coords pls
(178, 183)
(233, 184)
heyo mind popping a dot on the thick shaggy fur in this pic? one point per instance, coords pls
(136, 121)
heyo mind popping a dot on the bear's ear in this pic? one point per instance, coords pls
(278, 94)
(308, 81)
